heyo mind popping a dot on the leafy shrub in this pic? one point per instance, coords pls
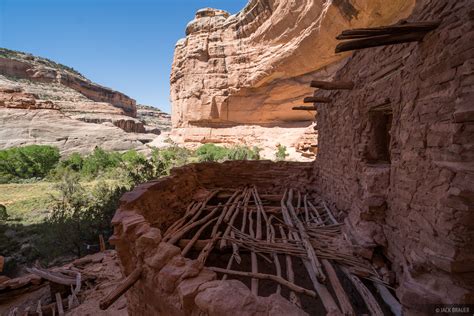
(281, 153)
(33, 161)
(99, 161)
(78, 217)
(165, 159)
(243, 153)
(211, 152)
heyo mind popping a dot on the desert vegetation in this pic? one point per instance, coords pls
(54, 208)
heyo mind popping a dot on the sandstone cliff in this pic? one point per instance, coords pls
(44, 102)
(253, 67)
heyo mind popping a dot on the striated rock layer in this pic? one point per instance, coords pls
(42, 102)
(254, 66)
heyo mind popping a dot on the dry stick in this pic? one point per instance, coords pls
(231, 215)
(263, 276)
(207, 250)
(331, 217)
(305, 239)
(196, 236)
(326, 298)
(370, 301)
(189, 210)
(235, 249)
(289, 271)
(198, 209)
(388, 298)
(270, 236)
(59, 302)
(52, 277)
(253, 258)
(306, 212)
(223, 214)
(39, 311)
(344, 301)
(122, 288)
(179, 234)
(318, 217)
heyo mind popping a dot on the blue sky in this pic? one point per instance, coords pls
(126, 45)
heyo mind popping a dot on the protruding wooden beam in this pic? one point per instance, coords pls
(122, 288)
(380, 40)
(316, 100)
(332, 85)
(385, 35)
(401, 28)
(304, 108)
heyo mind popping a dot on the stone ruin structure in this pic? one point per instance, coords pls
(380, 223)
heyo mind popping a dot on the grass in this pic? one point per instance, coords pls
(27, 203)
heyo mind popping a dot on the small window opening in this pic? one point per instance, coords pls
(378, 151)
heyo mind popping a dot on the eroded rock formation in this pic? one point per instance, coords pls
(253, 67)
(44, 102)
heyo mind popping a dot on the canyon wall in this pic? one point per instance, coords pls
(42, 102)
(251, 68)
(395, 155)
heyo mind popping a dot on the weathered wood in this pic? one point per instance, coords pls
(369, 299)
(389, 299)
(101, 243)
(332, 85)
(304, 108)
(290, 274)
(380, 40)
(59, 303)
(131, 279)
(52, 277)
(341, 295)
(204, 254)
(263, 276)
(180, 233)
(195, 238)
(316, 100)
(253, 259)
(401, 28)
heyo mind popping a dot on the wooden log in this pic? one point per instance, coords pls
(204, 254)
(101, 243)
(391, 29)
(344, 301)
(253, 259)
(369, 299)
(131, 279)
(389, 299)
(195, 238)
(290, 274)
(332, 85)
(316, 100)
(263, 276)
(52, 277)
(59, 303)
(380, 40)
(304, 108)
(2, 263)
(180, 233)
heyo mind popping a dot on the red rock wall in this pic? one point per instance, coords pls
(419, 208)
(172, 284)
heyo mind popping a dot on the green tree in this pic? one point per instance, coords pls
(281, 153)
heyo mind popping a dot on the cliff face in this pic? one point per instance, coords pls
(45, 102)
(253, 67)
(24, 66)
